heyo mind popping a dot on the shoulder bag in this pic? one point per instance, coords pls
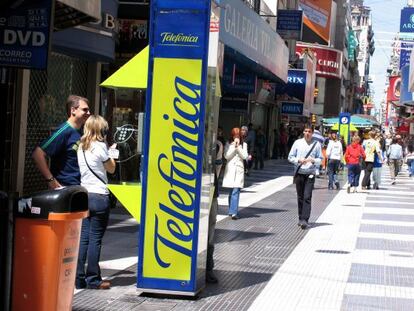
(298, 167)
(112, 199)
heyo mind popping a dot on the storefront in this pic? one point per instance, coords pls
(73, 67)
(258, 60)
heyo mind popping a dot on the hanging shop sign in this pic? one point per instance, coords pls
(328, 60)
(405, 53)
(289, 24)
(292, 108)
(407, 20)
(24, 35)
(352, 44)
(246, 32)
(394, 89)
(317, 16)
(296, 85)
(171, 225)
(406, 96)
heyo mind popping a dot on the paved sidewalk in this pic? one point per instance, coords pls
(358, 255)
(359, 258)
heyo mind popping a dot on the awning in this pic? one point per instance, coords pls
(356, 121)
(133, 75)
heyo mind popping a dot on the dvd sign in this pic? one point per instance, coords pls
(24, 35)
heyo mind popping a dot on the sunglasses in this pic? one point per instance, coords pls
(83, 109)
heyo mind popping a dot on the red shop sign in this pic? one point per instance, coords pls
(329, 60)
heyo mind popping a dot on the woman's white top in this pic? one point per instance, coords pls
(234, 171)
(334, 150)
(96, 156)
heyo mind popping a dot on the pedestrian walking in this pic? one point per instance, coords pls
(235, 153)
(283, 143)
(334, 154)
(212, 219)
(377, 168)
(94, 161)
(260, 149)
(307, 156)
(61, 146)
(394, 157)
(354, 155)
(371, 147)
(275, 149)
(409, 159)
(244, 135)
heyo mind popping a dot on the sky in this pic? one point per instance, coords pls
(385, 24)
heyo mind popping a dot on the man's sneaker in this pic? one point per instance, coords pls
(393, 182)
(303, 224)
(235, 217)
(211, 278)
(337, 185)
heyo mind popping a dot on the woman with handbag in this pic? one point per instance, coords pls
(354, 154)
(235, 153)
(94, 162)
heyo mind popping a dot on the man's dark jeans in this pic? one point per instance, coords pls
(369, 166)
(93, 230)
(304, 188)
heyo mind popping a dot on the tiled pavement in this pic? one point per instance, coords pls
(358, 255)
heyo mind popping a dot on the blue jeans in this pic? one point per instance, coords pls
(412, 168)
(354, 171)
(333, 166)
(234, 201)
(92, 232)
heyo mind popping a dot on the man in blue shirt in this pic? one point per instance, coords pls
(307, 156)
(62, 145)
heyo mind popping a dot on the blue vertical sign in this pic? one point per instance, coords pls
(169, 261)
(24, 35)
(405, 53)
(344, 126)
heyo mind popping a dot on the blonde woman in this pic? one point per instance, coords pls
(94, 162)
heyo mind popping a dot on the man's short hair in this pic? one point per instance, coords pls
(244, 127)
(73, 102)
(308, 127)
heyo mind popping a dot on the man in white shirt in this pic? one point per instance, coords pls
(307, 156)
(334, 154)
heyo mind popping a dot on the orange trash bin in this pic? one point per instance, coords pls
(46, 245)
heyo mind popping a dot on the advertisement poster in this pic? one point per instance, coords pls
(317, 16)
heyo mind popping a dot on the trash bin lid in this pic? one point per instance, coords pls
(70, 199)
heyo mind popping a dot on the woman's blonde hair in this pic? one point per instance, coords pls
(356, 138)
(95, 129)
